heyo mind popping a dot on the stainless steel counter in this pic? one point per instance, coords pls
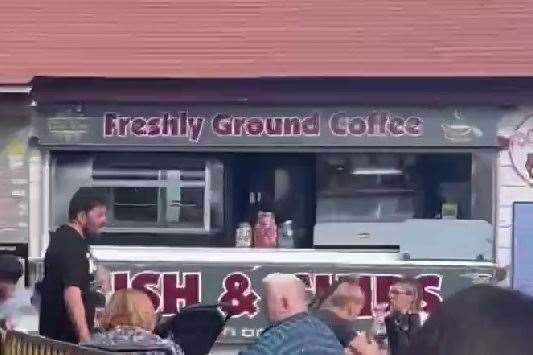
(261, 256)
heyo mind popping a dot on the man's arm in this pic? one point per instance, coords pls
(76, 313)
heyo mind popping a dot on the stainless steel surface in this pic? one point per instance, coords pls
(143, 183)
(423, 239)
(168, 213)
(161, 230)
(207, 198)
(236, 255)
(265, 256)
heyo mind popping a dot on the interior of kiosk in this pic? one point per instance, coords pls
(351, 201)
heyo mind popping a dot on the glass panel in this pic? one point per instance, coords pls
(135, 204)
(365, 188)
(157, 207)
(153, 192)
(366, 209)
(185, 207)
(376, 187)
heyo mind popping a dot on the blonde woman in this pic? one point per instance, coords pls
(128, 322)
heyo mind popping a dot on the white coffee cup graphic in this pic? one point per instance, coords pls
(459, 131)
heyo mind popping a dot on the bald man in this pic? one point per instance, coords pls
(293, 330)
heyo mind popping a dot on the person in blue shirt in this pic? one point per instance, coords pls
(293, 329)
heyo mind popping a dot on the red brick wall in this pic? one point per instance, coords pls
(250, 38)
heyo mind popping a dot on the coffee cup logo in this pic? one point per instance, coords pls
(458, 131)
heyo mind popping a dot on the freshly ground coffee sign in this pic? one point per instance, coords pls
(264, 126)
(375, 124)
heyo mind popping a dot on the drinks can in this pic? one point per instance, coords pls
(243, 235)
(286, 235)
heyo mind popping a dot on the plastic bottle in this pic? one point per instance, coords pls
(379, 328)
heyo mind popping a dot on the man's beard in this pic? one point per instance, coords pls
(89, 236)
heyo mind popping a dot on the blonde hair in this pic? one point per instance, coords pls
(129, 308)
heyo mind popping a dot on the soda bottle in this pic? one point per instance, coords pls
(265, 232)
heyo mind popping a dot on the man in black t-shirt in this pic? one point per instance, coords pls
(66, 312)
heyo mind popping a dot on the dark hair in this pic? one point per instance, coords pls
(340, 300)
(10, 268)
(481, 320)
(84, 200)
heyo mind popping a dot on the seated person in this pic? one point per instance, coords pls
(128, 323)
(293, 330)
(406, 315)
(480, 320)
(339, 308)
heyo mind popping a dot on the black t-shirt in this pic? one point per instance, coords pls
(400, 331)
(344, 329)
(66, 264)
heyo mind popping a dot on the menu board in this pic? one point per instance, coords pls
(14, 181)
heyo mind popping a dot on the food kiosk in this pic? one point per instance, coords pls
(207, 198)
